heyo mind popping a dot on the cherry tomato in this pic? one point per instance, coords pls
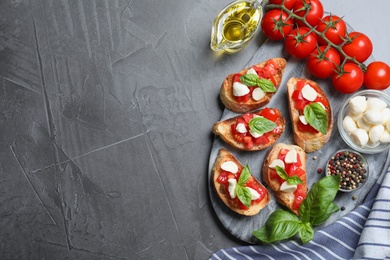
(377, 75)
(300, 43)
(313, 7)
(358, 46)
(348, 79)
(289, 4)
(276, 24)
(334, 29)
(322, 62)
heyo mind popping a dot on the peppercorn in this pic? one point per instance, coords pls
(351, 168)
(319, 170)
(342, 208)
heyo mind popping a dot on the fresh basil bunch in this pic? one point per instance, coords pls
(315, 209)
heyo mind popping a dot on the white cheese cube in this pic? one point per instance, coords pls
(241, 128)
(251, 71)
(229, 166)
(373, 117)
(303, 119)
(386, 115)
(358, 104)
(361, 123)
(232, 187)
(254, 134)
(360, 137)
(376, 133)
(286, 187)
(258, 94)
(309, 93)
(240, 89)
(291, 156)
(276, 162)
(375, 104)
(254, 194)
(385, 138)
(349, 125)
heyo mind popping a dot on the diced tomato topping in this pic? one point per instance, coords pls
(299, 162)
(224, 176)
(236, 77)
(274, 175)
(282, 153)
(247, 117)
(323, 100)
(261, 140)
(300, 84)
(248, 142)
(270, 114)
(243, 99)
(300, 195)
(306, 128)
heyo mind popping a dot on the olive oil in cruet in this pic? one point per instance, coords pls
(236, 25)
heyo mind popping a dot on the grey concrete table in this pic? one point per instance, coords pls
(106, 110)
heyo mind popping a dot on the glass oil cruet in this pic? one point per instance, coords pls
(236, 25)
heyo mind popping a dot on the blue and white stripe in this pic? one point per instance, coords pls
(364, 233)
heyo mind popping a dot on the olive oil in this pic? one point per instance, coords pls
(235, 25)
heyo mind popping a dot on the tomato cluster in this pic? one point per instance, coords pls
(324, 41)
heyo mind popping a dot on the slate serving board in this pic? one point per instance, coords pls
(243, 226)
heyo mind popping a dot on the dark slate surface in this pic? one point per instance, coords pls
(106, 110)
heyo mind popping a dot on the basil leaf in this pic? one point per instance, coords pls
(306, 232)
(280, 225)
(244, 177)
(281, 172)
(261, 125)
(244, 195)
(266, 85)
(290, 179)
(253, 80)
(249, 79)
(318, 220)
(316, 116)
(294, 180)
(319, 199)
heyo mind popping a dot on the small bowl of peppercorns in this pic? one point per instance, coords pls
(352, 167)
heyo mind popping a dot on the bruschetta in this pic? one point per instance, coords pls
(284, 172)
(310, 112)
(253, 87)
(252, 131)
(236, 186)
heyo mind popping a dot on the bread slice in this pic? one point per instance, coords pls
(284, 198)
(230, 101)
(224, 130)
(310, 142)
(225, 156)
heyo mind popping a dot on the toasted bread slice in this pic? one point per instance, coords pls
(230, 101)
(309, 141)
(223, 193)
(225, 131)
(268, 173)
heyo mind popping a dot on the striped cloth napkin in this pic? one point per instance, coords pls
(364, 233)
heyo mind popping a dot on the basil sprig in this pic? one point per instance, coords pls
(290, 179)
(316, 116)
(242, 192)
(261, 125)
(314, 210)
(253, 80)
